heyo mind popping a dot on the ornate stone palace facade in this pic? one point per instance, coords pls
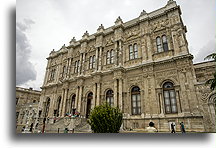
(142, 66)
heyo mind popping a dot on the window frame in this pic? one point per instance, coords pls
(169, 98)
(135, 108)
(110, 97)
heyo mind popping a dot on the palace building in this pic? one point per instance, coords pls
(142, 66)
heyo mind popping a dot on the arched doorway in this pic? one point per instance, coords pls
(88, 108)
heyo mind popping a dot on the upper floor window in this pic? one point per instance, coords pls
(162, 45)
(52, 74)
(92, 62)
(133, 51)
(110, 57)
(76, 69)
(136, 101)
(109, 98)
(169, 98)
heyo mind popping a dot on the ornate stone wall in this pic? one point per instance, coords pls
(27, 101)
(146, 52)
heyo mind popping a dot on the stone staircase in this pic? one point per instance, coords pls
(79, 125)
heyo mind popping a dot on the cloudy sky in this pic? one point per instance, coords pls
(43, 25)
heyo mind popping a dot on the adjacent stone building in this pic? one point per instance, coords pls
(27, 101)
(142, 66)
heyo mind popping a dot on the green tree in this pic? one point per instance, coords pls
(211, 82)
(105, 119)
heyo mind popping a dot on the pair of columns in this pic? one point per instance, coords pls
(118, 89)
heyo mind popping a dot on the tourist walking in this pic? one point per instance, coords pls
(182, 127)
(172, 128)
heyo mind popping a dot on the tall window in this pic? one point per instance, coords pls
(162, 45)
(165, 44)
(76, 68)
(58, 106)
(93, 61)
(136, 101)
(112, 56)
(159, 46)
(169, 98)
(133, 51)
(78, 65)
(108, 57)
(72, 105)
(90, 62)
(109, 98)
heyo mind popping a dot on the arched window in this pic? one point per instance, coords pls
(72, 105)
(159, 46)
(93, 61)
(47, 107)
(169, 98)
(108, 57)
(165, 44)
(89, 101)
(135, 51)
(131, 55)
(109, 98)
(90, 62)
(136, 101)
(58, 106)
(112, 56)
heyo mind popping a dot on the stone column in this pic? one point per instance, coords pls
(80, 99)
(115, 93)
(77, 97)
(120, 53)
(149, 48)
(80, 65)
(94, 96)
(68, 68)
(96, 60)
(120, 94)
(178, 101)
(100, 58)
(161, 103)
(64, 103)
(98, 93)
(46, 76)
(83, 63)
(115, 54)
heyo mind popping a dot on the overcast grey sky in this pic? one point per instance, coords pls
(43, 25)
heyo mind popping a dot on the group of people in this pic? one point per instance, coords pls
(152, 129)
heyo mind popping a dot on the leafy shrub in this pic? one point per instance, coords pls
(105, 119)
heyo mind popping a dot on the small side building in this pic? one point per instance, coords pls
(27, 101)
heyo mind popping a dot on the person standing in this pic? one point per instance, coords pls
(182, 127)
(151, 128)
(172, 128)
